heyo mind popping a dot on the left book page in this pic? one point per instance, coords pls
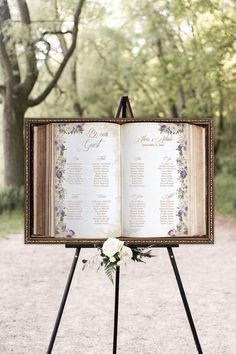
(40, 199)
(86, 180)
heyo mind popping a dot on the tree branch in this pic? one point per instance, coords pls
(48, 46)
(76, 104)
(31, 63)
(103, 57)
(57, 32)
(51, 85)
(63, 44)
(2, 89)
(5, 17)
(47, 57)
(5, 59)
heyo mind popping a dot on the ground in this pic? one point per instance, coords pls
(152, 319)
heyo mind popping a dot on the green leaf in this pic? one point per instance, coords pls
(109, 271)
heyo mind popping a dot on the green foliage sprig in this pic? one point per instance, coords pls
(140, 253)
(113, 254)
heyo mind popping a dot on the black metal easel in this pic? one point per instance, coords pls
(123, 107)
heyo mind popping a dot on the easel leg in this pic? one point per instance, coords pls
(185, 302)
(117, 284)
(63, 301)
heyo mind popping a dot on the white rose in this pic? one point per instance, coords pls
(111, 246)
(120, 263)
(125, 254)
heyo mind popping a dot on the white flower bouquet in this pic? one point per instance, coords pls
(114, 254)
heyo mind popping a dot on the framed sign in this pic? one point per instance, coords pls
(146, 181)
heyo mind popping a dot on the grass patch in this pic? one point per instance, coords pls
(225, 194)
(11, 222)
(11, 198)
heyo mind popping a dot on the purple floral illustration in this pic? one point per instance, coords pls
(183, 173)
(171, 128)
(62, 129)
(172, 232)
(77, 129)
(70, 233)
(59, 172)
(182, 191)
(70, 128)
(162, 127)
(60, 213)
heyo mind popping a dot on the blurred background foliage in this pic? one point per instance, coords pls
(173, 58)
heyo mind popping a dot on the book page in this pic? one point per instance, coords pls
(40, 195)
(154, 179)
(87, 180)
(197, 181)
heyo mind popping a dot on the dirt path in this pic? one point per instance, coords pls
(152, 319)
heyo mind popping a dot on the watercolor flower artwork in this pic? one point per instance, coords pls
(182, 192)
(60, 158)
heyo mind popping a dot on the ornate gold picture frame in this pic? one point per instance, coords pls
(30, 123)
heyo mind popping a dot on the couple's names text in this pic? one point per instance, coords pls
(148, 141)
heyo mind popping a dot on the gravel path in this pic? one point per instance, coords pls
(151, 319)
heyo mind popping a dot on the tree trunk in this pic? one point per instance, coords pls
(13, 123)
(173, 109)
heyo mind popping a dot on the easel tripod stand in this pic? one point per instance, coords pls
(123, 108)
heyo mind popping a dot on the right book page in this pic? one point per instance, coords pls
(163, 179)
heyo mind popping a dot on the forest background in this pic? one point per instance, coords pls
(67, 58)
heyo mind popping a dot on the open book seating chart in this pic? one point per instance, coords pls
(148, 181)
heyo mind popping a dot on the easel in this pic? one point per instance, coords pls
(123, 107)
